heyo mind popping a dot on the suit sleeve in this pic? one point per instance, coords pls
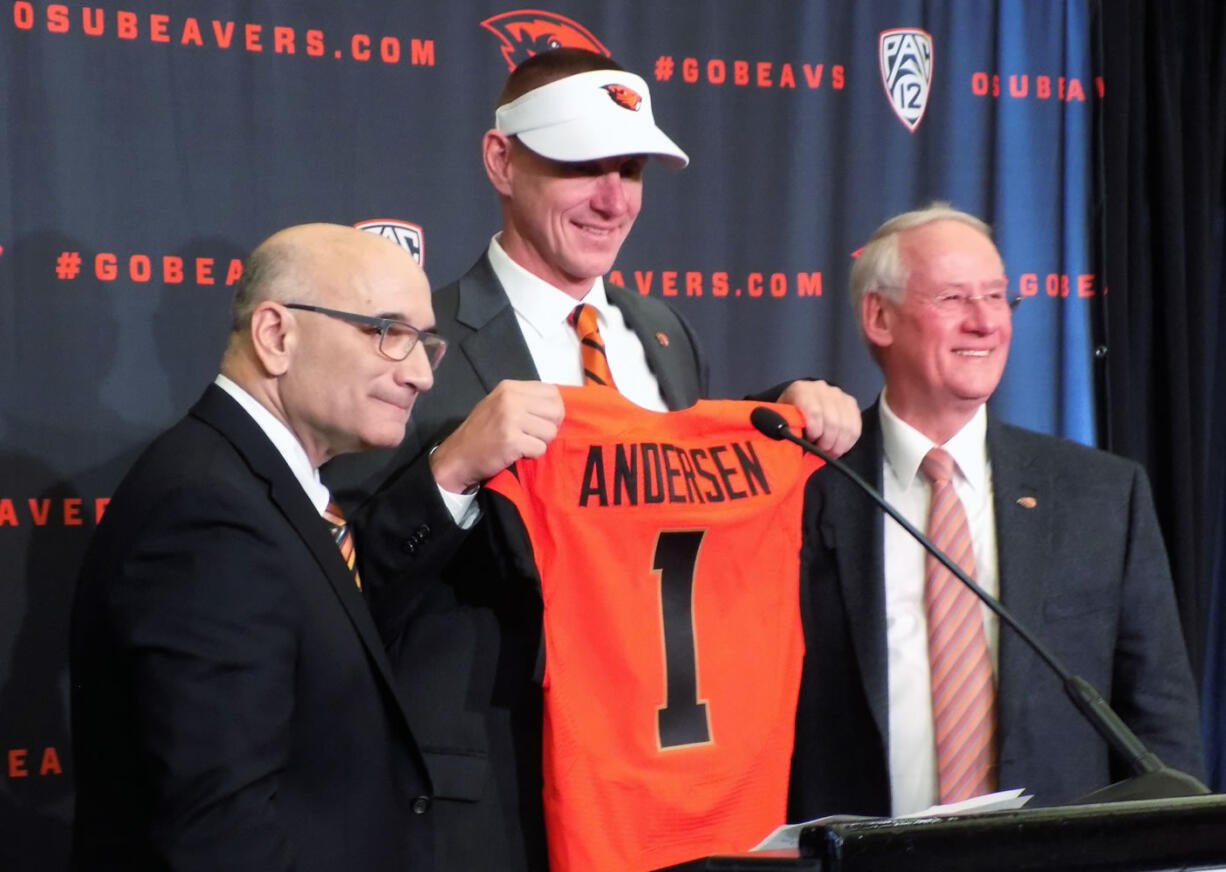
(205, 624)
(1152, 685)
(405, 536)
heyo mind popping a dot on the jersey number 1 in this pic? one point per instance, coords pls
(683, 719)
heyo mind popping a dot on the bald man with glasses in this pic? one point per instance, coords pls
(232, 705)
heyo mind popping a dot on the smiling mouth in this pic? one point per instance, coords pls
(600, 232)
(405, 407)
(968, 352)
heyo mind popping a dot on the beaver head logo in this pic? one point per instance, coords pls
(528, 32)
(627, 98)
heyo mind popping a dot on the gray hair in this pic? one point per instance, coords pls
(269, 273)
(880, 267)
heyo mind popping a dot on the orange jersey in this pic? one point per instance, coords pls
(668, 548)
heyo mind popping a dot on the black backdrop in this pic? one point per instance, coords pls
(1163, 149)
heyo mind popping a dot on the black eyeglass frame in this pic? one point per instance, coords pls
(434, 344)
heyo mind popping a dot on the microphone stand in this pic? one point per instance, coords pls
(1151, 779)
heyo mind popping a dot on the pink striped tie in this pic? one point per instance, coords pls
(963, 694)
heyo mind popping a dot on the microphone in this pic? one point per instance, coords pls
(1152, 779)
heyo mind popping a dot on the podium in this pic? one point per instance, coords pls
(1137, 836)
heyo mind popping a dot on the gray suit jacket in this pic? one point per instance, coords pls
(464, 648)
(1084, 568)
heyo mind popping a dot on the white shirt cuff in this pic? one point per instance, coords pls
(463, 507)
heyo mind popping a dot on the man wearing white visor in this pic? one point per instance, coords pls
(573, 133)
(589, 116)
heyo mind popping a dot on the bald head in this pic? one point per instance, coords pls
(301, 262)
(306, 338)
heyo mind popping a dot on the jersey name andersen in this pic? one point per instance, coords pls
(627, 474)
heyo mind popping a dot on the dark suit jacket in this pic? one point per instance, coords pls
(1085, 569)
(232, 704)
(464, 648)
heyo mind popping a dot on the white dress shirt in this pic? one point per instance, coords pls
(541, 310)
(283, 440)
(913, 779)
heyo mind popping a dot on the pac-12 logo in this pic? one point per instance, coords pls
(528, 32)
(906, 72)
(404, 233)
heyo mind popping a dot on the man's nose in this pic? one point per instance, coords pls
(610, 197)
(982, 316)
(415, 369)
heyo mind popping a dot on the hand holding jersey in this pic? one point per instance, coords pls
(832, 418)
(516, 419)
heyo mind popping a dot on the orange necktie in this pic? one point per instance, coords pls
(591, 346)
(344, 541)
(963, 693)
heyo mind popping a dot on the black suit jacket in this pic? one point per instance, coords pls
(232, 704)
(464, 647)
(1084, 568)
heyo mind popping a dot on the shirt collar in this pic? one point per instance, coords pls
(283, 440)
(540, 305)
(905, 447)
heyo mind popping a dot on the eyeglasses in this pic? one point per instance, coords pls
(397, 339)
(952, 302)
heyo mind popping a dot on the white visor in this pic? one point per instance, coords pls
(589, 116)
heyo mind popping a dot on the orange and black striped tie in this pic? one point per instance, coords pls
(339, 528)
(963, 690)
(591, 346)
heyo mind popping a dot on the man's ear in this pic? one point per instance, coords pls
(274, 335)
(878, 317)
(496, 149)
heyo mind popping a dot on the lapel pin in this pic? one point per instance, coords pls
(1027, 502)
(662, 338)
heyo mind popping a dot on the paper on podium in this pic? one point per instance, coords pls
(1002, 800)
(787, 837)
